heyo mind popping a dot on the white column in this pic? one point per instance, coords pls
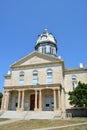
(3, 101)
(22, 100)
(40, 100)
(19, 97)
(35, 100)
(6, 101)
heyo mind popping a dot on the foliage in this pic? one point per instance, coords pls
(0, 99)
(78, 97)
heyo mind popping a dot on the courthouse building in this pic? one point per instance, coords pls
(39, 81)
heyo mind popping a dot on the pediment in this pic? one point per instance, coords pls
(35, 58)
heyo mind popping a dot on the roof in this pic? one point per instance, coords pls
(46, 37)
(76, 69)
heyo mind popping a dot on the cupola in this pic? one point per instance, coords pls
(46, 43)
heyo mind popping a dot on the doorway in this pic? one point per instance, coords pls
(32, 102)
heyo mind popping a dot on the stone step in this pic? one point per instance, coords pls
(13, 114)
(40, 115)
(31, 115)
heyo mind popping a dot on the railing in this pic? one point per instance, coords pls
(26, 113)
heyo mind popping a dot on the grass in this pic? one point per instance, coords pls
(3, 119)
(33, 124)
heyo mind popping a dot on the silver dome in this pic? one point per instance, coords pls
(46, 37)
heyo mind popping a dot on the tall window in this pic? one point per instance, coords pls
(49, 76)
(51, 50)
(35, 77)
(74, 81)
(43, 49)
(21, 78)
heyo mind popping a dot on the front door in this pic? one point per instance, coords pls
(32, 102)
(49, 103)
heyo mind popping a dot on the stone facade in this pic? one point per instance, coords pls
(40, 82)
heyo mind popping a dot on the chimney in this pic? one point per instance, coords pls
(81, 65)
(9, 73)
(59, 57)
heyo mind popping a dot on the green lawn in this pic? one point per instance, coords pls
(32, 124)
(3, 119)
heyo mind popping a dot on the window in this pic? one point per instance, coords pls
(74, 81)
(49, 76)
(51, 50)
(21, 78)
(43, 49)
(35, 78)
(73, 77)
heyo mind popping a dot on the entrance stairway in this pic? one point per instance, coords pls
(31, 115)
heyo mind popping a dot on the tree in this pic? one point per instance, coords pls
(78, 97)
(0, 99)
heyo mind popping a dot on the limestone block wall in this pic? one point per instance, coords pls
(15, 78)
(7, 81)
(42, 72)
(68, 82)
(81, 75)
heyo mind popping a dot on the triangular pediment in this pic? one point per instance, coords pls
(35, 58)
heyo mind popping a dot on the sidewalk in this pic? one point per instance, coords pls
(58, 127)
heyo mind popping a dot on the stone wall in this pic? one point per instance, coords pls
(42, 73)
(77, 112)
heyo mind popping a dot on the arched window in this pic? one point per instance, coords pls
(35, 77)
(21, 78)
(74, 81)
(49, 76)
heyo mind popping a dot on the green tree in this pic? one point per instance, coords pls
(0, 99)
(78, 97)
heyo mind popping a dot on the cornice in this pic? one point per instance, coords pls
(38, 64)
(75, 70)
(8, 75)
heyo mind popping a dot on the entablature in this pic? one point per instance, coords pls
(33, 87)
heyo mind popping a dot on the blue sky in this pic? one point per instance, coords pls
(22, 20)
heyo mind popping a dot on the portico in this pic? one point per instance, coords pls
(36, 98)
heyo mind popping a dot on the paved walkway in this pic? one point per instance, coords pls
(8, 121)
(58, 127)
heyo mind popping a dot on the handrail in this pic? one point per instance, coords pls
(26, 113)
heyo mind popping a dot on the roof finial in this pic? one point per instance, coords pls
(45, 31)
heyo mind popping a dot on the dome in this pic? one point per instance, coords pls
(46, 37)
(46, 43)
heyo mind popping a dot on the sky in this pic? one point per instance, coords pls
(21, 21)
